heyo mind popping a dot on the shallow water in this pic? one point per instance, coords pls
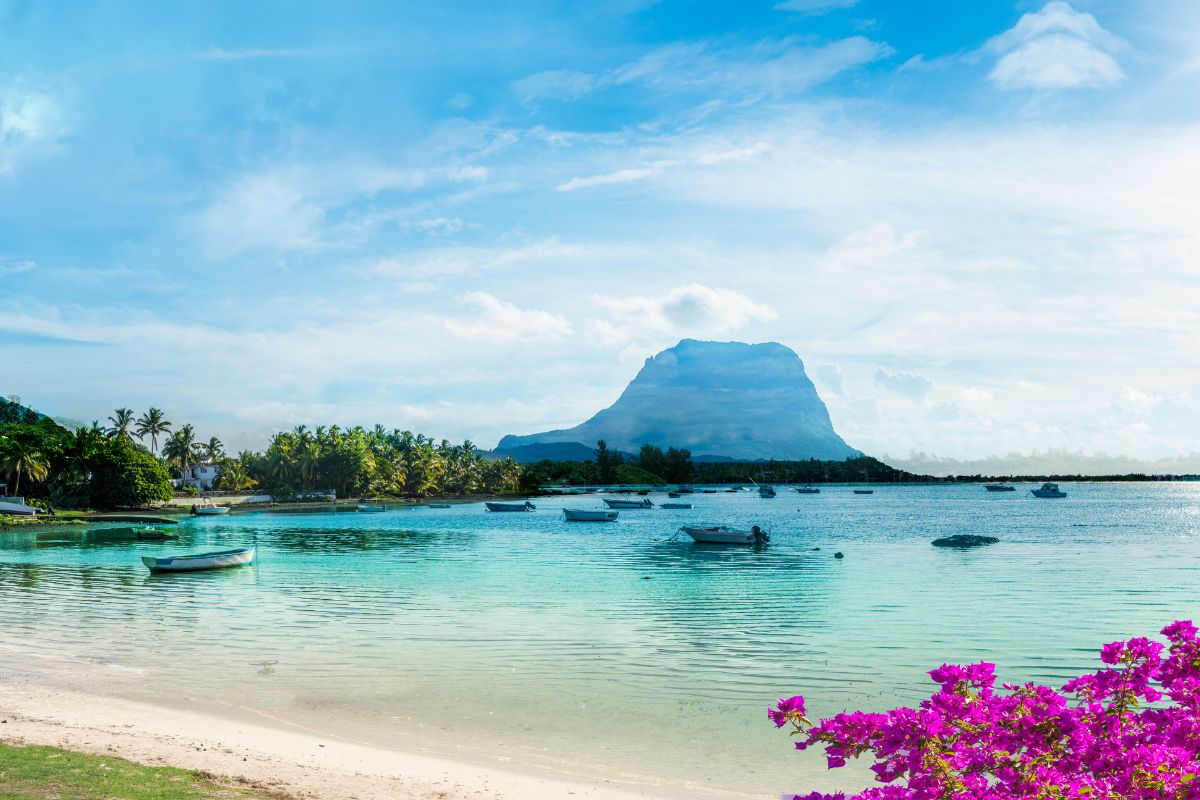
(605, 649)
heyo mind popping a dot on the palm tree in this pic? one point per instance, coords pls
(178, 449)
(121, 422)
(20, 459)
(152, 424)
(213, 449)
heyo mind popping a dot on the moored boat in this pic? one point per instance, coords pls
(720, 534)
(766, 492)
(864, 491)
(999, 487)
(674, 495)
(675, 505)
(611, 503)
(200, 561)
(589, 515)
(209, 509)
(372, 507)
(807, 490)
(1048, 490)
(685, 489)
(526, 506)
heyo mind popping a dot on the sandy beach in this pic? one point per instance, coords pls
(290, 762)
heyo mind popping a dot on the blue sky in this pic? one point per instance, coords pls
(976, 222)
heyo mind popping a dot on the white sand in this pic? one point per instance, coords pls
(304, 765)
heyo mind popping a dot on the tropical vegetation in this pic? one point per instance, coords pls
(1129, 731)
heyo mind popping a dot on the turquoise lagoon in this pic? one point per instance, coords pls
(604, 650)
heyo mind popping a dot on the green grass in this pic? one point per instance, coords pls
(43, 773)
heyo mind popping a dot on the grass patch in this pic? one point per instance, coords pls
(43, 773)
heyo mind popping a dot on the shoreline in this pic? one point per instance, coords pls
(297, 763)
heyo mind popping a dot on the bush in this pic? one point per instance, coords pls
(628, 473)
(123, 476)
(1131, 732)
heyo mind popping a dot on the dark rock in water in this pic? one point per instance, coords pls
(838, 554)
(729, 399)
(964, 540)
(815, 549)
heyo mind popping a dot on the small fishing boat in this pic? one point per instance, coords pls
(807, 490)
(209, 509)
(685, 489)
(200, 561)
(719, 534)
(674, 495)
(371, 507)
(1048, 490)
(675, 505)
(438, 505)
(526, 506)
(864, 491)
(611, 503)
(589, 515)
(766, 492)
(999, 487)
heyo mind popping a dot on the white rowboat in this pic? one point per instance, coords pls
(220, 560)
(719, 534)
(628, 503)
(585, 515)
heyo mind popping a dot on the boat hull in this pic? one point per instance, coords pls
(1047, 493)
(717, 535)
(585, 515)
(675, 506)
(210, 511)
(628, 503)
(372, 508)
(202, 561)
(999, 488)
(509, 506)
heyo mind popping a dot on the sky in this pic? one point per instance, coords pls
(976, 223)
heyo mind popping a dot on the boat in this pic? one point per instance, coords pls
(807, 490)
(611, 503)
(719, 534)
(526, 506)
(200, 561)
(438, 505)
(371, 507)
(209, 509)
(674, 495)
(999, 487)
(766, 491)
(864, 491)
(1048, 490)
(685, 489)
(18, 508)
(589, 515)
(123, 534)
(676, 505)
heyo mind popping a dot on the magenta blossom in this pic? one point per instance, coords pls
(1129, 731)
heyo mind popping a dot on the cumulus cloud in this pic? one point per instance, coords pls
(497, 320)
(262, 212)
(906, 384)
(831, 378)
(1056, 48)
(692, 309)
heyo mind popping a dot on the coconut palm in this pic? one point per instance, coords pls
(179, 449)
(20, 459)
(121, 424)
(153, 424)
(213, 449)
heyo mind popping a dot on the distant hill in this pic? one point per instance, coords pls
(11, 410)
(721, 400)
(550, 451)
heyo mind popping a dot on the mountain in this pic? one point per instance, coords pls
(724, 399)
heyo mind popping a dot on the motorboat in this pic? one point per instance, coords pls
(864, 491)
(589, 515)
(766, 491)
(1048, 490)
(676, 506)
(201, 561)
(209, 509)
(674, 495)
(526, 506)
(720, 534)
(999, 487)
(807, 490)
(685, 489)
(372, 507)
(611, 503)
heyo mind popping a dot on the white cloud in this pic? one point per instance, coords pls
(497, 320)
(908, 384)
(735, 154)
(1056, 48)
(460, 101)
(262, 212)
(831, 378)
(814, 6)
(690, 310)
(562, 84)
(16, 267)
(619, 176)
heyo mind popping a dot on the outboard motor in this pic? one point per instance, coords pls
(761, 537)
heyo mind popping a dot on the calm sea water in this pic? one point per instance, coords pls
(606, 649)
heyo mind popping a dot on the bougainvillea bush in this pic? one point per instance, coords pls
(1129, 731)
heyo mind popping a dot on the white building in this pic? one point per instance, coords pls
(202, 475)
